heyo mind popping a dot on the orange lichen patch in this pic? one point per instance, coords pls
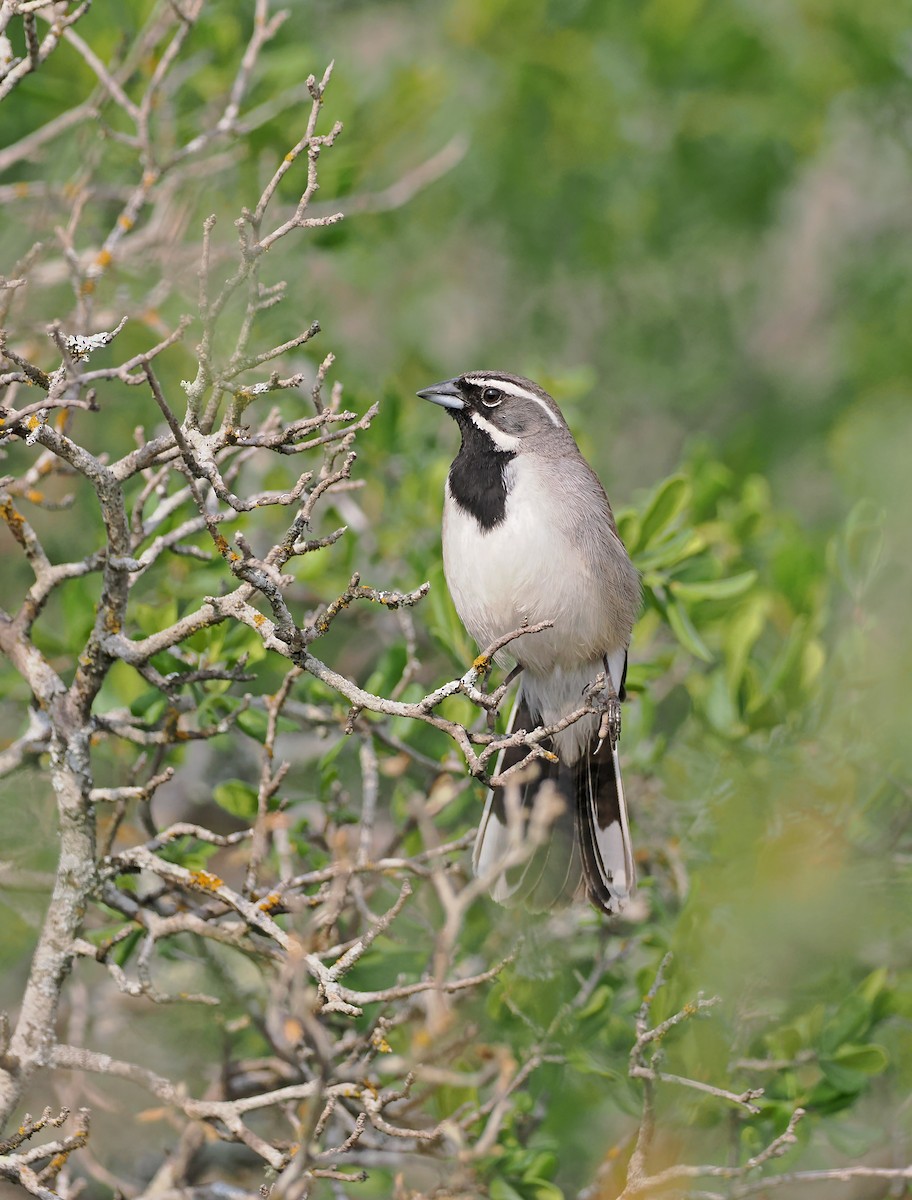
(293, 1029)
(259, 620)
(379, 1042)
(21, 190)
(149, 178)
(103, 258)
(395, 766)
(481, 663)
(220, 544)
(33, 422)
(112, 622)
(13, 520)
(9, 514)
(290, 156)
(205, 880)
(422, 1039)
(268, 903)
(153, 1114)
(125, 222)
(87, 287)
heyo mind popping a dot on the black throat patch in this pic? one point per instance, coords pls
(477, 482)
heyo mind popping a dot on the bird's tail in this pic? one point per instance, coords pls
(560, 829)
(602, 826)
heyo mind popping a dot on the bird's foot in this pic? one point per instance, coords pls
(610, 725)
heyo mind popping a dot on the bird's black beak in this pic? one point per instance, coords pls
(446, 394)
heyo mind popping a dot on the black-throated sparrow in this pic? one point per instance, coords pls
(528, 536)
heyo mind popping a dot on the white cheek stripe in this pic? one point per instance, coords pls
(513, 389)
(504, 441)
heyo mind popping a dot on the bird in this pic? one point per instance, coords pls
(529, 536)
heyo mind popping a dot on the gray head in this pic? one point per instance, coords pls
(506, 407)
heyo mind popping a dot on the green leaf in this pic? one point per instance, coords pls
(387, 672)
(668, 501)
(588, 1062)
(845, 1080)
(150, 618)
(721, 708)
(542, 1167)
(685, 631)
(445, 626)
(254, 723)
(499, 1189)
(742, 630)
(787, 1041)
(825, 1098)
(714, 589)
(670, 551)
(851, 1019)
(188, 852)
(873, 987)
(849, 1067)
(871, 1059)
(860, 549)
(214, 707)
(787, 667)
(236, 797)
(123, 951)
(597, 1002)
(541, 1189)
(150, 706)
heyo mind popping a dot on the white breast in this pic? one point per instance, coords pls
(525, 570)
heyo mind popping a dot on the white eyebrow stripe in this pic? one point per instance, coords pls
(514, 389)
(504, 441)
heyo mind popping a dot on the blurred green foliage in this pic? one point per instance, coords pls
(690, 220)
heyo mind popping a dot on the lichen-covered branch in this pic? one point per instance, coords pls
(131, 891)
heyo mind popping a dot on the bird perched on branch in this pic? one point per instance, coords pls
(529, 536)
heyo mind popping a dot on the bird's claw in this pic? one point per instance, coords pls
(610, 725)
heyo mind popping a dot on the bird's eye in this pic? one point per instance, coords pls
(491, 397)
